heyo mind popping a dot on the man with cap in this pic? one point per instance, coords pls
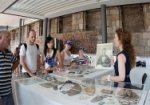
(66, 54)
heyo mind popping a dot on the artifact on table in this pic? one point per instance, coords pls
(54, 84)
(128, 93)
(46, 85)
(89, 90)
(76, 89)
(106, 91)
(127, 97)
(89, 86)
(97, 98)
(70, 88)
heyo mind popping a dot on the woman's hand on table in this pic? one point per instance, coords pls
(104, 77)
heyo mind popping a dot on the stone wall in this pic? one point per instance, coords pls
(141, 40)
(14, 38)
(146, 9)
(133, 18)
(54, 25)
(65, 24)
(113, 21)
(25, 29)
(86, 39)
(93, 20)
(89, 21)
(78, 21)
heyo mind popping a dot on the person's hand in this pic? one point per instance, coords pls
(32, 75)
(59, 68)
(73, 64)
(16, 72)
(45, 71)
(16, 53)
(104, 78)
(42, 68)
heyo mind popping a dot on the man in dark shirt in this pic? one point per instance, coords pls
(8, 63)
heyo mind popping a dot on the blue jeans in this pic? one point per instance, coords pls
(7, 100)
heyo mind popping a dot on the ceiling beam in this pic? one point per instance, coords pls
(26, 16)
(9, 6)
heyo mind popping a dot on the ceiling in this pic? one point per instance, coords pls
(52, 8)
(13, 21)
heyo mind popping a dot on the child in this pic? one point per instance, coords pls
(82, 59)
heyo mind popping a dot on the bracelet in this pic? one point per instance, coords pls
(108, 78)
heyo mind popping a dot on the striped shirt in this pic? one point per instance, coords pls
(6, 60)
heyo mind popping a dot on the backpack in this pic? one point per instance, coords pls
(25, 45)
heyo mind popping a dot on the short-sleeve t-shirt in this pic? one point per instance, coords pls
(31, 54)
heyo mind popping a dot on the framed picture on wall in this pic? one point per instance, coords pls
(104, 56)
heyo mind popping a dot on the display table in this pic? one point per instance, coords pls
(17, 86)
(31, 92)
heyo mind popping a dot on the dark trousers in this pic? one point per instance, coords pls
(7, 100)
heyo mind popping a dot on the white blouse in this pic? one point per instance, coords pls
(67, 59)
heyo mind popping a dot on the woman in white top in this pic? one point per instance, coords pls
(66, 54)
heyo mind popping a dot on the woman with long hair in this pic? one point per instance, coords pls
(51, 57)
(125, 59)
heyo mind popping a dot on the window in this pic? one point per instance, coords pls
(65, 24)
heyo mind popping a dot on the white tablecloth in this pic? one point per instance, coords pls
(35, 94)
(147, 102)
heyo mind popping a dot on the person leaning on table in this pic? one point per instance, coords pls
(66, 53)
(125, 59)
(51, 57)
(8, 63)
